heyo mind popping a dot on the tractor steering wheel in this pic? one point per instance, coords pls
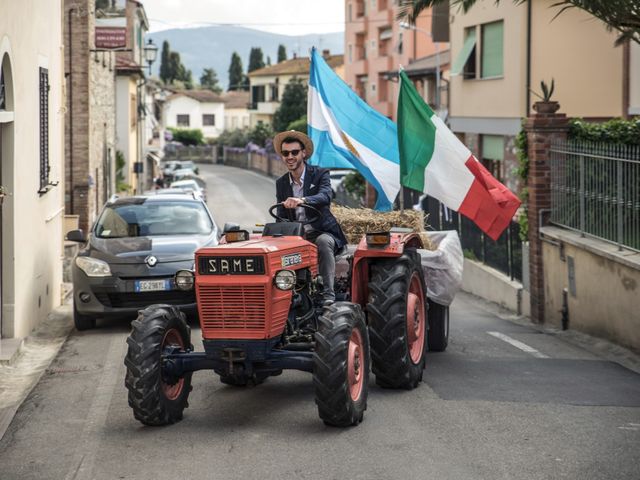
(313, 210)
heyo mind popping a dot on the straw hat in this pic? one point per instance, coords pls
(301, 137)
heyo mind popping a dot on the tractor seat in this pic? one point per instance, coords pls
(282, 229)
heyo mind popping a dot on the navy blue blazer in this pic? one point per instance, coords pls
(317, 193)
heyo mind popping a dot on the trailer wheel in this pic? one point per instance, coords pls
(438, 337)
(154, 398)
(341, 365)
(397, 321)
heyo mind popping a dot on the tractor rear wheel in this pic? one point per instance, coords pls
(397, 321)
(341, 365)
(438, 337)
(154, 398)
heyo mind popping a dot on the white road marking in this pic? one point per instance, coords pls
(634, 427)
(85, 456)
(518, 344)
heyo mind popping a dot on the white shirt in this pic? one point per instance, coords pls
(298, 193)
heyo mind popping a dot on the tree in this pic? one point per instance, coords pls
(165, 69)
(293, 105)
(261, 133)
(236, 73)
(620, 15)
(268, 61)
(209, 80)
(299, 125)
(256, 60)
(282, 53)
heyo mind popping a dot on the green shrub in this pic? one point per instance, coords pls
(188, 136)
(355, 184)
(234, 138)
(299, 125)
(260, 134)
(616, 131)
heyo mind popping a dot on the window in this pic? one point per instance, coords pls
(208, 120)
(484, 58)
(182, 120)
(492, 51)
(44, 129)
(350, 50)
(465, 63)
(133, 111)
(2, 90)
(349, 12)
(492, 153)
(257, 94)
(274, 91)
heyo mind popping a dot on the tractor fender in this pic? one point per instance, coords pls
(363, 255)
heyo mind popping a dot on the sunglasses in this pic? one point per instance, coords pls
(285, 153)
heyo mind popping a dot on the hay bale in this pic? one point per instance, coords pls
(355, 222)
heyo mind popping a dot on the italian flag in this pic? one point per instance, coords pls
(435, 162)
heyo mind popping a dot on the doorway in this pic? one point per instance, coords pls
(7, 327)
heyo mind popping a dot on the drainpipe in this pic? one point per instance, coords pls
(69, 38)
(528, 95)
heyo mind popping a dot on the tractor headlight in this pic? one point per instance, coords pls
(93, 267)
(286, 279)
(184, 279)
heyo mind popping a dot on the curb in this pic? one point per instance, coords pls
(29, 363)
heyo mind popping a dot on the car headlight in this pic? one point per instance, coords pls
(285, 279)
(184, 279)
(93, 267)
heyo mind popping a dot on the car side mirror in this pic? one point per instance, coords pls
(76, 236)
(230, 227)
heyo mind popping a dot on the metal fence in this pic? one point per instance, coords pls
(504, 254)
(595, 190)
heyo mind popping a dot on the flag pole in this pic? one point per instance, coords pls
(401, 186)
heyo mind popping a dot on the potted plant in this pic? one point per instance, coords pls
(546, 105)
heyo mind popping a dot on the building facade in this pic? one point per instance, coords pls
(500, 55)
(377, 44)
(90, 121)
(266, 85)
(31, 163)
(195, 109)
(236, 110)
(130, 102)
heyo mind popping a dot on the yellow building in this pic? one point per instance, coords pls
(32, 119)
(500, 54)
(267, 84)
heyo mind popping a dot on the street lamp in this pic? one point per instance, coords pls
(150, 53)
(408, 26)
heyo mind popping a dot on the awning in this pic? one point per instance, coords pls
(386, 34)
(464, 54)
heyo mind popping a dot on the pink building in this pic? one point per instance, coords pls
(376, 45)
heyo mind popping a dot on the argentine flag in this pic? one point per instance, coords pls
(347, 133)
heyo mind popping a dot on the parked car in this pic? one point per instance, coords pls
(190, 185)
(133, 252)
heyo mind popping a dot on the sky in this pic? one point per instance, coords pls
(287, 17)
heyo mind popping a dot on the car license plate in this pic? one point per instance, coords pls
(152, 285)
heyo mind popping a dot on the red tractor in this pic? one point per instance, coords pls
(260, 313)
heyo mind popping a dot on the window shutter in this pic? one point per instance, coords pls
(492, 49)
(44, 129)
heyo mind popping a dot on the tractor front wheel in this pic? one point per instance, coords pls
(155, 398)
(397, 321)
(341, 365)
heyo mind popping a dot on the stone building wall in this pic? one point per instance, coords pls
(90, 119)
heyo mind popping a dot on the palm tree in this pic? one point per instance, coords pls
(620, 15)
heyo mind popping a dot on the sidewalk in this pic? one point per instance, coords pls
(22, 371)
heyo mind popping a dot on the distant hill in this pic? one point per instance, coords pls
(211, 47)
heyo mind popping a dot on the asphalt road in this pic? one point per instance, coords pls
(505, 401)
